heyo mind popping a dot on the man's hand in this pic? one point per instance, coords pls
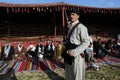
(82, 55)
(6, 56)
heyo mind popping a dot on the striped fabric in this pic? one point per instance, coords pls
(44, 64)
(28, 65)
(108, 60)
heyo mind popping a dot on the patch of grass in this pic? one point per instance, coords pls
(106, 72)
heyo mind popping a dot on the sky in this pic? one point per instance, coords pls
(92, 3)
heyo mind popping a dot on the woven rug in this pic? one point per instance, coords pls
(19, 66)
(108, 60)
(44, 64)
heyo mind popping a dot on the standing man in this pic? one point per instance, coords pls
(77, 41)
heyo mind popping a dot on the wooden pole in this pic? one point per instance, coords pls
(55, 28)
(55, 33)
(63, 21)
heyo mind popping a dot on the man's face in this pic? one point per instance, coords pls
(20, 44)
(7, 43)
(74, 17)
(41, 43)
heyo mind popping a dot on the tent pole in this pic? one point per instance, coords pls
(55, 33)
(55, 28)
(63, 21)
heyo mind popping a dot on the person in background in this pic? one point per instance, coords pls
(96, 47)
(116, 46)
(89, 53)
(31, 46)
(31, 53)
(0, 47)
(102, 51)
(7, 52)
(89, 58)
(40, 49)
(20, 51)
(49, 49)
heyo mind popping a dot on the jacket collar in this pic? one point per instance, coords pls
(73, 23)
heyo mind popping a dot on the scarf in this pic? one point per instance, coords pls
(7, 50)
(20, 48)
